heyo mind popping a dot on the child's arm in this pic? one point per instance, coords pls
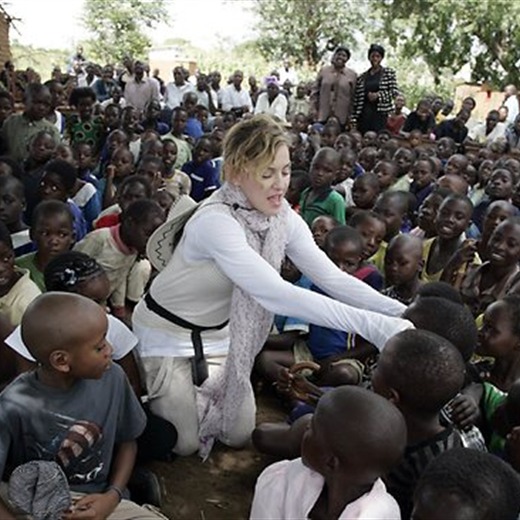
(108, 198)
(104, 504)
(457, 265)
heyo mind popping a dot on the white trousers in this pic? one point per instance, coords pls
(173, 397)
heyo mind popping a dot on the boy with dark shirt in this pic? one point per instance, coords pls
(419, 372)
(59, 412)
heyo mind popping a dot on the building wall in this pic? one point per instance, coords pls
(5, 49)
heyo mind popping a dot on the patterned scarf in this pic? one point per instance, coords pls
(220, 397)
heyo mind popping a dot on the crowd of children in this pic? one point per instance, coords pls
(416, 211)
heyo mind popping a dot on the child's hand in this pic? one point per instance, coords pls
(466, 252)
(284, 381)
(110, 172)
(463, 411)
(98, 506)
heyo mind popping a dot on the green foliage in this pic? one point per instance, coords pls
(41, 60)
(449, 34)
(118, 27)
(300, 29)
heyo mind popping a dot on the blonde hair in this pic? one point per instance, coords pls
(250, 146)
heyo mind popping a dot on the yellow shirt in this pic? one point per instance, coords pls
(378, 258)
(22, 293)
(435, 277)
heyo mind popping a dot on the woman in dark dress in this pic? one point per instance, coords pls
(376, 90)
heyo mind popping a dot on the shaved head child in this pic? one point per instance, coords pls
(354, 438)
(60, 412)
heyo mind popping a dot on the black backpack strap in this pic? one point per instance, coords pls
(196, 330)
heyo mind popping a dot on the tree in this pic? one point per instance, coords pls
(299, 30)
(117, 26)
(447, 34)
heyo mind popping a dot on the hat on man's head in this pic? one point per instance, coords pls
(272, 80)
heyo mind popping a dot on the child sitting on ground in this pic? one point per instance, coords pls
(404, 158)
(456, 165)
(203, 174)
(386, 172)
(420, 372)
(499, 187)
(320, 198)
(393, 207)
(344, 180)
(41, 149)
(365, 191)
(117, 248)
(500, 339)
(324, 345)
(67, 393)
(500, 274)
(344, 454)
(423, 183)
(496, 213)
(17, 290)
(372, 229)
(439, 252)
(320, 227)
(12, 205)
(367, 158)
(446, 147)
(53, 233)
(58, 182)
(427, 214)
(176, 181)
(85, 162)
(121, 166)
(403, 265)
(132, 188)
(464, 483)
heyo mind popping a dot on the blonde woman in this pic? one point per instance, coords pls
(222, 286)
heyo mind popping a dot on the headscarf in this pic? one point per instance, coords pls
(376, 48)
(342, 48)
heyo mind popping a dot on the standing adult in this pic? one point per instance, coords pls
(334, 88)
(174, 91)
(511, 102)
(235, 98)
(376, 90)
(104, 86)
(272, 101)
(140, 90)
(226, 267)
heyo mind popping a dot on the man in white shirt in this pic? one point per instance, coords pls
(511, 102)
(140, 91)
(174, 91)
(489, 131)
(235, 98)
(272, 102)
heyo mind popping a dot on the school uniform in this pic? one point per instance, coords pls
(204, 179)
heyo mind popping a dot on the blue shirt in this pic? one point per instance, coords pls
(286, 323)
(193, 128)
(324, 342)
(204, 179)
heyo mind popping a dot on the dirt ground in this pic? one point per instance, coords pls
(222, 487)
